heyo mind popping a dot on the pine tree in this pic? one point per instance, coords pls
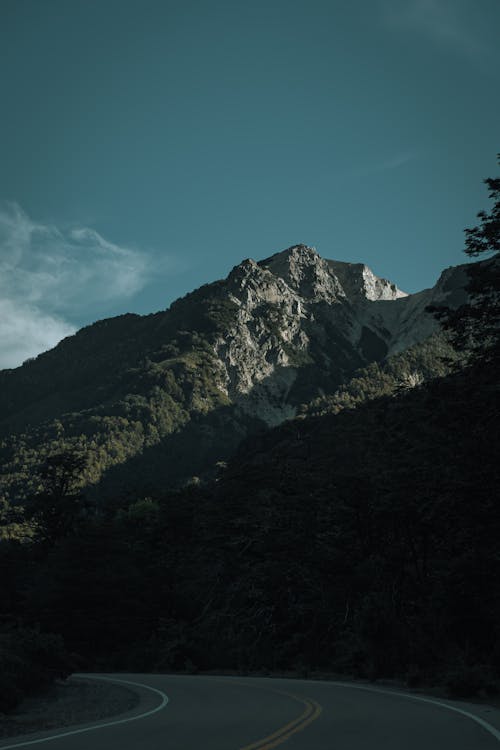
(474, 326)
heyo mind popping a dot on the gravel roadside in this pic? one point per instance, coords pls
(73, 701)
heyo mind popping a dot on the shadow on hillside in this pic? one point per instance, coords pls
(193, 450)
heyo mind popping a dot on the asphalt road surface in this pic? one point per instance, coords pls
(243, 713)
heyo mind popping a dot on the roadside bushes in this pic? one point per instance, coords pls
(29, 661)
(465, 681)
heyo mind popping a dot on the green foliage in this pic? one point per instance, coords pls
(474, 327)
(468, 681)
(13, 524)
(58, 508)
(486, 237)
(362, 542)
(115, 413)
(433, 358)
(29, 660)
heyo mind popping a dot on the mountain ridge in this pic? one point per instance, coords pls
(234, 356)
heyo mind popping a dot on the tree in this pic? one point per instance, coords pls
(486, 237)
(474, 326)
(58, 507)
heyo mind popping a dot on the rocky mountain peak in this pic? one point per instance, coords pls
(359, 282)
(296, 254)
(250, 285)
(309, 276)
(306, 273)
(287, 301)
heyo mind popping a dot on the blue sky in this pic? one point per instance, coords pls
(147, 146)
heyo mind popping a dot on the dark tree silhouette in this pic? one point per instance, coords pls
(57, 508)
(474, 326)
(486, 237)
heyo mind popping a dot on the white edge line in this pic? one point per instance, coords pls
(488, 727)
(99, 726)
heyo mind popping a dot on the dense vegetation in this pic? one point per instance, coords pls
(360, 538)
(111, 392)
(363, 542)
(29, 661)
(150, 448)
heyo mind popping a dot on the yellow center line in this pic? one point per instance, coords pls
(310, 714)
(283, 735)
(283, 729)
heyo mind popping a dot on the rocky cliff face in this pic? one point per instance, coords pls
(360, 283)
(296, 309)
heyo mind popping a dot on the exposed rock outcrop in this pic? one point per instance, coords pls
(296, 307)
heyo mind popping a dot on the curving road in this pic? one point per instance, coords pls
(242, 713)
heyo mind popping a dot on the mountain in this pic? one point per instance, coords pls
(154, 400)
(359, 538)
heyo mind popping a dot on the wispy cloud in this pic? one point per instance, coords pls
(50, 276)
(441, 21)
(395, 161)
(383, 164)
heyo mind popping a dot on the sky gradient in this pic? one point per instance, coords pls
(147, 147)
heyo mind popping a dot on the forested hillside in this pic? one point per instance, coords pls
(363, 543)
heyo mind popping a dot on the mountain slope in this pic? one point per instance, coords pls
(390, 513)
(171, 393)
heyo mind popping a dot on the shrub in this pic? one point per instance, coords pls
(465, 681)
(29, 660)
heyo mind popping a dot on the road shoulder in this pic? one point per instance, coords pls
(74, 701)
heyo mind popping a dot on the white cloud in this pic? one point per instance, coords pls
(383, 164)
(49, 276)
(441, 21)
(25, 332)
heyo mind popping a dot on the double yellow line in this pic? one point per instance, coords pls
(310, 714)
